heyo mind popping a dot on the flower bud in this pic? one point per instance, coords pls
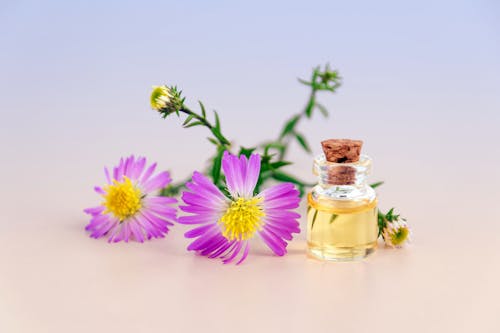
(166, 100)
(396, 233)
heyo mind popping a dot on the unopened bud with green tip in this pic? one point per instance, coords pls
(166, 99)
(393, 229)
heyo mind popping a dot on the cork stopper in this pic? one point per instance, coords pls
(342, 151)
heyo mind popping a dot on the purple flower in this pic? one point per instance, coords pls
(226, 225)
(129, 211)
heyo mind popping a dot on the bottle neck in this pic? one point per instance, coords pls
(342, 181)
(342, 174)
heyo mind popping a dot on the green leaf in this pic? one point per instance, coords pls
(303, 142)
(381, 222)
(310, 106)
(212, 140)
(246, 151)
(290, 126)
(322, 109)
(307, 83)
(217, 165)
(283, 177)
(171, 190)
(188, 119)
(216, 132)
(196, 123)
(275, 145)
(203, 111)
(377, 184)
(217, 120)
(279, 164)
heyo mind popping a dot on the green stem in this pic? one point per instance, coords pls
(215, 131)
(205, 122)
(285, 137)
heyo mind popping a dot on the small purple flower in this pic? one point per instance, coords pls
(129, 211)
(228, 224)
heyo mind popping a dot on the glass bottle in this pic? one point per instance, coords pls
(342, 218)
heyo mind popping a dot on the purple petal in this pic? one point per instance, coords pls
(138, 168)
(280, 232)
(201, 242)
(282, 214)
(272, 241)
(126, 227)
(102, 229)
(289, 226)
(168, 219)
(114, 231)
(160, 200)
(194, 199)
(198, 219)
(232, 171)
(118, 171)
(199, 210)
(225, 245)
(120, 234)
(206, 193)
(136, 231)
(129, 162)
(155, 222)
(218, 242)
(150, 228)
(157, 182)
(148, 173)
(204, 183)
(96, 221)
(99, 190)
(252, 174)
(198, 231)
(291, 203)
(245, 253)
(282, 196)
(161, 209)
(235, 252)
(243, 168)
(277, 191)
(108, 178)
(94, 210)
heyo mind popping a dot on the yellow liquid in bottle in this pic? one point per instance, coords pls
(341, 230)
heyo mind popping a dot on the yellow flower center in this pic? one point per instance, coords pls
(242, 219)
(400, 236)
(122, 199)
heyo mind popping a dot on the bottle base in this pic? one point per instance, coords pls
(337, 253)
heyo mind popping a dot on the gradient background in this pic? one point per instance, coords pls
(421, 88)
